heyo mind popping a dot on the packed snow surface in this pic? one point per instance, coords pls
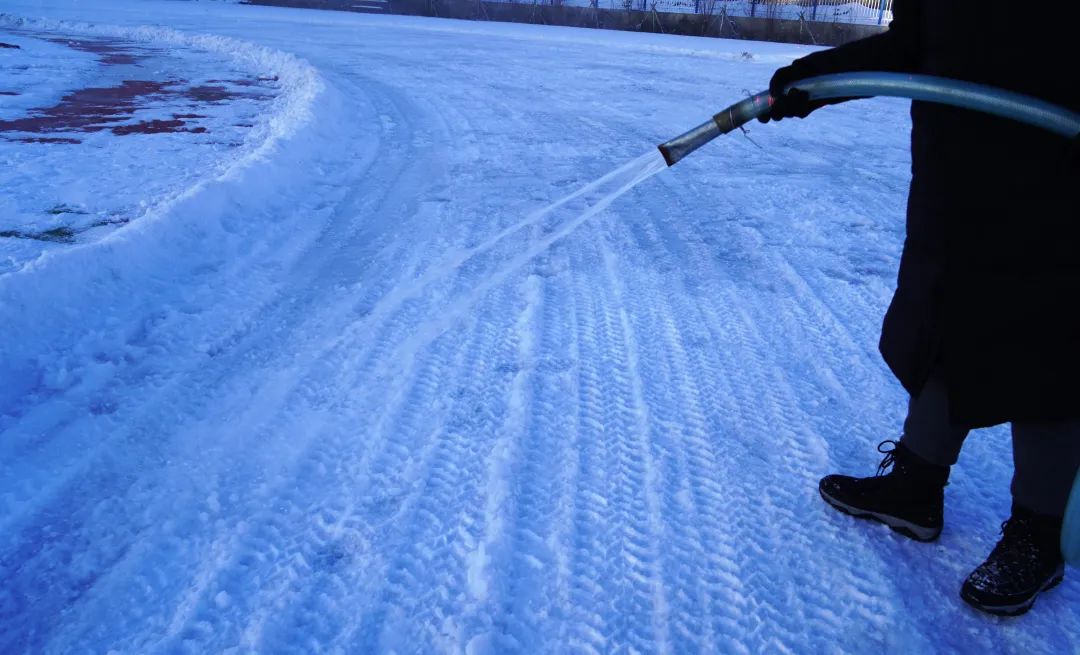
(360, 370)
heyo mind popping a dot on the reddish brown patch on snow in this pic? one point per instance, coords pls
(214, 93)
(109, 51)
(156, 127)
(149, 127)
(208, 93)
(9, 93)
(95, 109)
(8, 45)
(87, 110)
(98, 109)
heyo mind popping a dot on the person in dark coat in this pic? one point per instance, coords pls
(984, 327)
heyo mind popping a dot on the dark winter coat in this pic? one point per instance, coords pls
(988, 294)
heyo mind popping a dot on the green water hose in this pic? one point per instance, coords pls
(967, 95)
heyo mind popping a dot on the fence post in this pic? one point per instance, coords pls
(881, 12)
(804, 24)
(813, 14)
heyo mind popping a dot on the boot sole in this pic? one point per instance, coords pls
(907, 528)
(1016, 609)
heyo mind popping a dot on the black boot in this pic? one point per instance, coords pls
(909, 499)
(1026, 562)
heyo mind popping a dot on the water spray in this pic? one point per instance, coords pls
(967, 95)
(571, 212)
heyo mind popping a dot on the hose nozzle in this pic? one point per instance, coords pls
(726, 121)
(976, 97)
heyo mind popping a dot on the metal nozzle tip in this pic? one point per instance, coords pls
(668, 155)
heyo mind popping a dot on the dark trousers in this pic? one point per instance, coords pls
(1046, 456)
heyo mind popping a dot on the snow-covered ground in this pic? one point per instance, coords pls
(304, 400)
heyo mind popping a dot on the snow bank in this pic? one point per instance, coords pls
(300, 82)
(65, 312)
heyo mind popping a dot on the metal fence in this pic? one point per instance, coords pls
(837, 11)
(866, 12)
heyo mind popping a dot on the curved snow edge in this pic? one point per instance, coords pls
(299, 81)
(191, 267)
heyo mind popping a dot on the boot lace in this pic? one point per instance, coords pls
(888, 449)
(1016, 530)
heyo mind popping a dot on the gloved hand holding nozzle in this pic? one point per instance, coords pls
(793, 103)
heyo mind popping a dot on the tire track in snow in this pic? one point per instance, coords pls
(651, 482)
(507, 548)
(616, 567)
(474, 296)
(704, 579)
(712, 374)
(589, 574)
(534, 586)
(373, 488)
(439, 541)
(772, 523)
